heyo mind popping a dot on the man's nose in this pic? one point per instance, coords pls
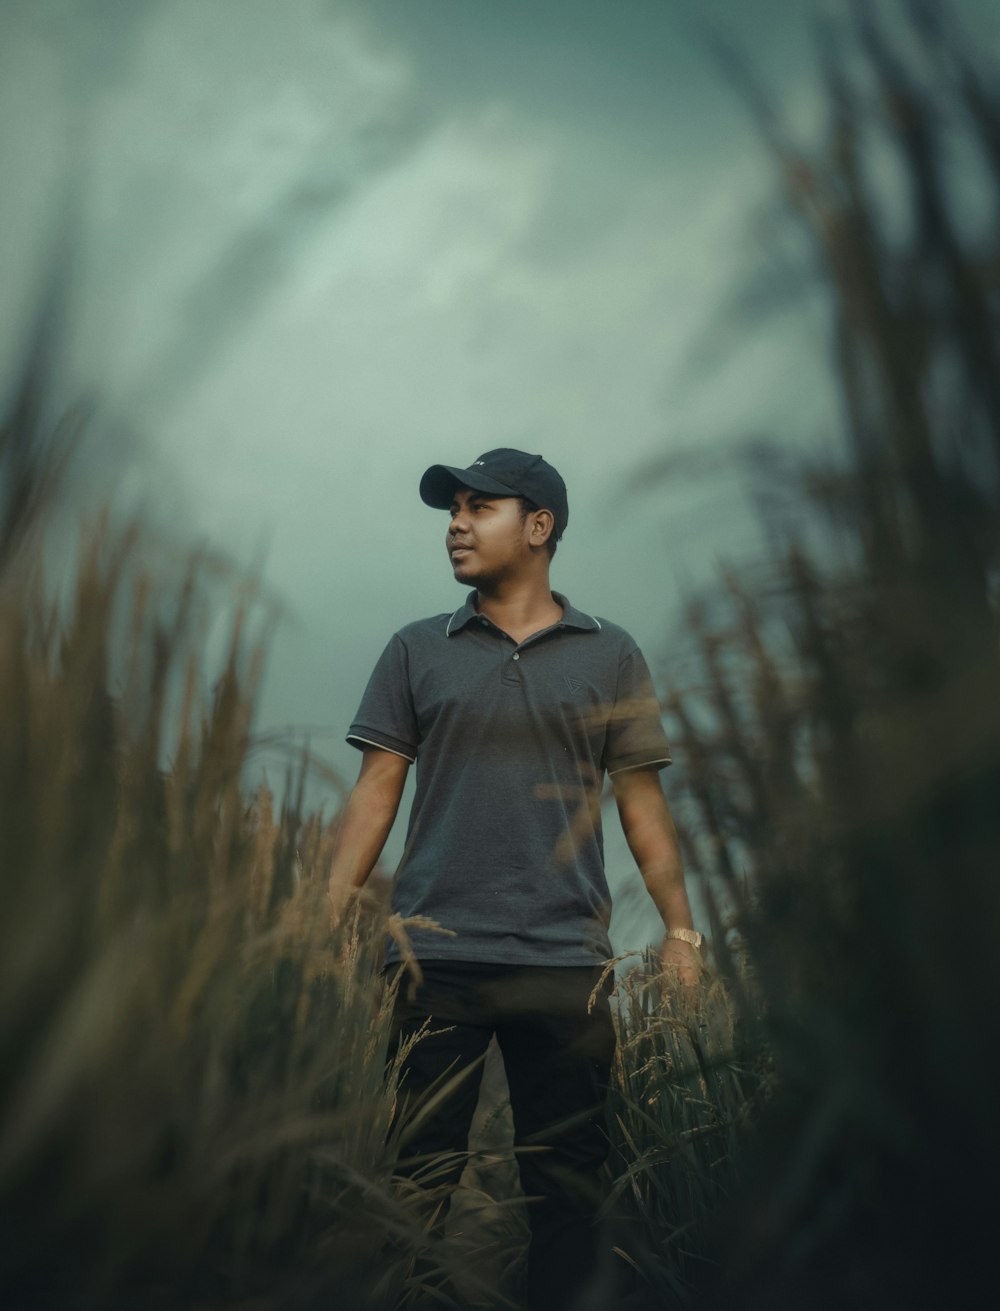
(458, 522)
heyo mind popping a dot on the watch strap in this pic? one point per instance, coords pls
(692, 936)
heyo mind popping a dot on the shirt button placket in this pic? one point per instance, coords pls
(509, 669)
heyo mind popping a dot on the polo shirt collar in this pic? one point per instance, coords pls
(572, 617)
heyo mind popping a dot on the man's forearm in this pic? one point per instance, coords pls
(652, 839)
(364, 826)
(658, 858)
(360, 839)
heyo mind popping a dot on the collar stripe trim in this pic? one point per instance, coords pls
(469, 613)
(447, 631)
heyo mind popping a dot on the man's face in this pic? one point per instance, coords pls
(487, 538)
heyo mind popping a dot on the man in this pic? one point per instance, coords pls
(513, 709)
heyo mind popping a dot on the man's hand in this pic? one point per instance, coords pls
(681, 961)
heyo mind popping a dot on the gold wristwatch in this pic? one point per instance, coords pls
(695, 938)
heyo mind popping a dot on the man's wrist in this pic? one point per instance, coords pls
(691, 936)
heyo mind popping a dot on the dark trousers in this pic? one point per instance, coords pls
(557, 1057)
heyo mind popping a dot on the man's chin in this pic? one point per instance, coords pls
(466, 574)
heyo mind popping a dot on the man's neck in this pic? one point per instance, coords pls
(520, 608)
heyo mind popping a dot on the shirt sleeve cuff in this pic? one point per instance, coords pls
(645, 762)
(370, 737)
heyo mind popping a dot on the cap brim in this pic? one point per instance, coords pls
(439, 483)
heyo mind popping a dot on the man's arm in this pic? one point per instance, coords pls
(649, 829)
(365, 824)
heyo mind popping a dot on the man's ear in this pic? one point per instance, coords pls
(543, 522)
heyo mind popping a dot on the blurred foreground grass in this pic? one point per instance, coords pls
(193, 1103)
(842, 742)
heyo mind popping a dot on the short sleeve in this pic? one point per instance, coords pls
(386, 717)
(635, 736)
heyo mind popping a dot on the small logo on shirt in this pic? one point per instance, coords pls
(479, 463)
(574, 684)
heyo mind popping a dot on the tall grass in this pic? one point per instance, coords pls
(193, 1103)
(842, 749)
(685, 1092)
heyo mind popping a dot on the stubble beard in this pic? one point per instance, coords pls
(469, 575)
(473, 574)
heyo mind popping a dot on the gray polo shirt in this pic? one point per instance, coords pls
(511, 743)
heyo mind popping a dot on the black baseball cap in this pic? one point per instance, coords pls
(503, 472)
